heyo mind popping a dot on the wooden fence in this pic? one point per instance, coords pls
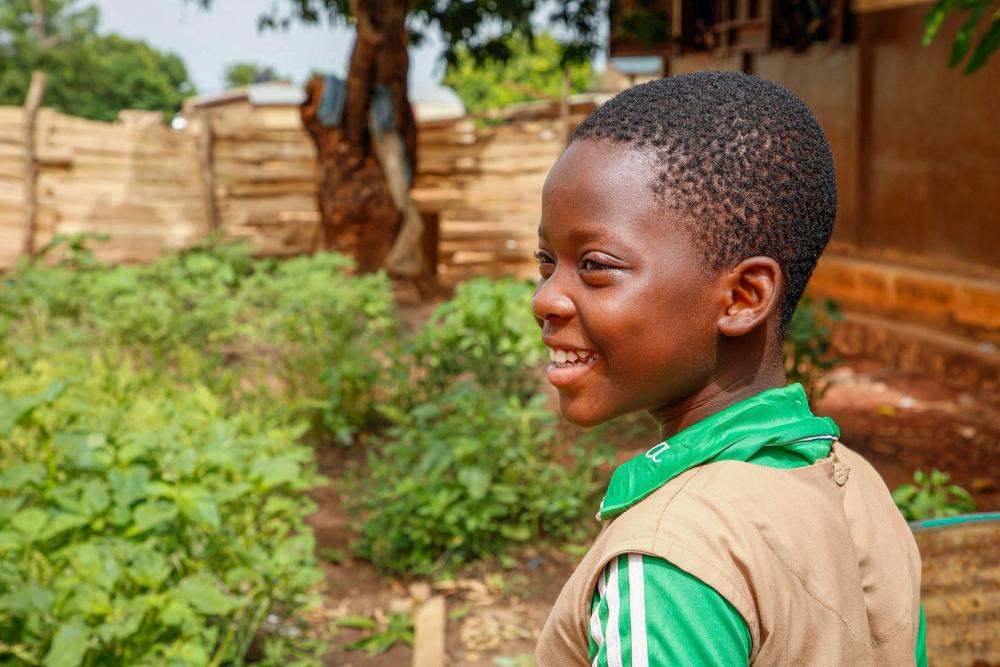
(250, 172)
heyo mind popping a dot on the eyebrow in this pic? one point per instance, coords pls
(579, 236)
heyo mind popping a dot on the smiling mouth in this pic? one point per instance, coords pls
(568, 366)
(566, 358)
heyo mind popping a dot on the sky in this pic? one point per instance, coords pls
(208, 41)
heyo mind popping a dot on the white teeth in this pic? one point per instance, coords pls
(570, 356)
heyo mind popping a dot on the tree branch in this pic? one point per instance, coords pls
(360, 73)
(43, 40)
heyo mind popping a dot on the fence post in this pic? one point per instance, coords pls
(208, 168)
(31, 104)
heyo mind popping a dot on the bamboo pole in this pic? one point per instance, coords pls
(31, 104)
(567, 88)
(208, 169)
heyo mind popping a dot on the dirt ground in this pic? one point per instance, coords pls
(899, 422)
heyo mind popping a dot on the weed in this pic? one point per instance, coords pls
(931, 496)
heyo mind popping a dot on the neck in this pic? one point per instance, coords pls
(718, 395)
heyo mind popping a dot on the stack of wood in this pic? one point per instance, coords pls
(250, 171)
(264, 173)
(12, 156)
(485, 187)
(139, 186)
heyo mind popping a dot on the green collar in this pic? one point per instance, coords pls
(775, 417)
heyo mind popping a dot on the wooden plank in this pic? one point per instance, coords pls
(271, 150)
(91, 187)
(429, 623)
(34, 100)
(865, 6)
(268, 189)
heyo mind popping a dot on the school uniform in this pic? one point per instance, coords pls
(751, 537)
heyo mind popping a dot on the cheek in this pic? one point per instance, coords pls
(669, 341)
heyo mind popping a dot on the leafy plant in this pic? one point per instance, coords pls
(140, 524)
(325, 333)
(398, 628)
(531, 71)
(302, 335)
(989, 39)
(465, 476)
(808, 354)
(931, 496)
(485, 334)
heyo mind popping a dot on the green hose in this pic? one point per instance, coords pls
(979, 517)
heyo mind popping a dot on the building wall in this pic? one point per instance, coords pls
(933, 145)
(827, 79)
(914, 141)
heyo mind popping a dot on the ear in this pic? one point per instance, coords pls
(752, 291)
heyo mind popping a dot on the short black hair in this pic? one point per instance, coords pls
(742, 158)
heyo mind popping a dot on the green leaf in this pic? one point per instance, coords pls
(62, 522)
(94, 564)
(8, 506)
(933, 21)
(151, 514)
(517, 533)
(90, 600)
(13, 411)
(276, 471)
(148, 568)
(129, 485)
(204, 597)
(177, 613)
(95, 497)
(28, 599)
(19, 475)
(963, 39)
(30, 522)
(84, 451)
(987, 45)
(476, 481)
(356, 622)
(69, 646)
(197, 505)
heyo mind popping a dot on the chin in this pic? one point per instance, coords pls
(579, 414)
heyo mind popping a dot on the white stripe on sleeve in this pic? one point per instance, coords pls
(595, 617)
(614, 642)
(637, 611)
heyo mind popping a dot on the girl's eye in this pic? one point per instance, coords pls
(545, 264)
(593, 265)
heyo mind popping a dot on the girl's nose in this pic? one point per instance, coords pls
(551, 302)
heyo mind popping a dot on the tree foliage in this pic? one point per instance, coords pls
(247, 73)
(988, 30)
(478, 28)
(89, 75)
(529, 73)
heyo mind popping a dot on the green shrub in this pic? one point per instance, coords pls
(324, 334)
(931, 497)
(142, 525)
(301, 336)
(808, 354)
(467, 475)
(486, 334)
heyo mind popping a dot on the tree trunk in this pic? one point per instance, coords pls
(357, 209)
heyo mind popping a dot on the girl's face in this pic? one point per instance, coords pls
(623, 288)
